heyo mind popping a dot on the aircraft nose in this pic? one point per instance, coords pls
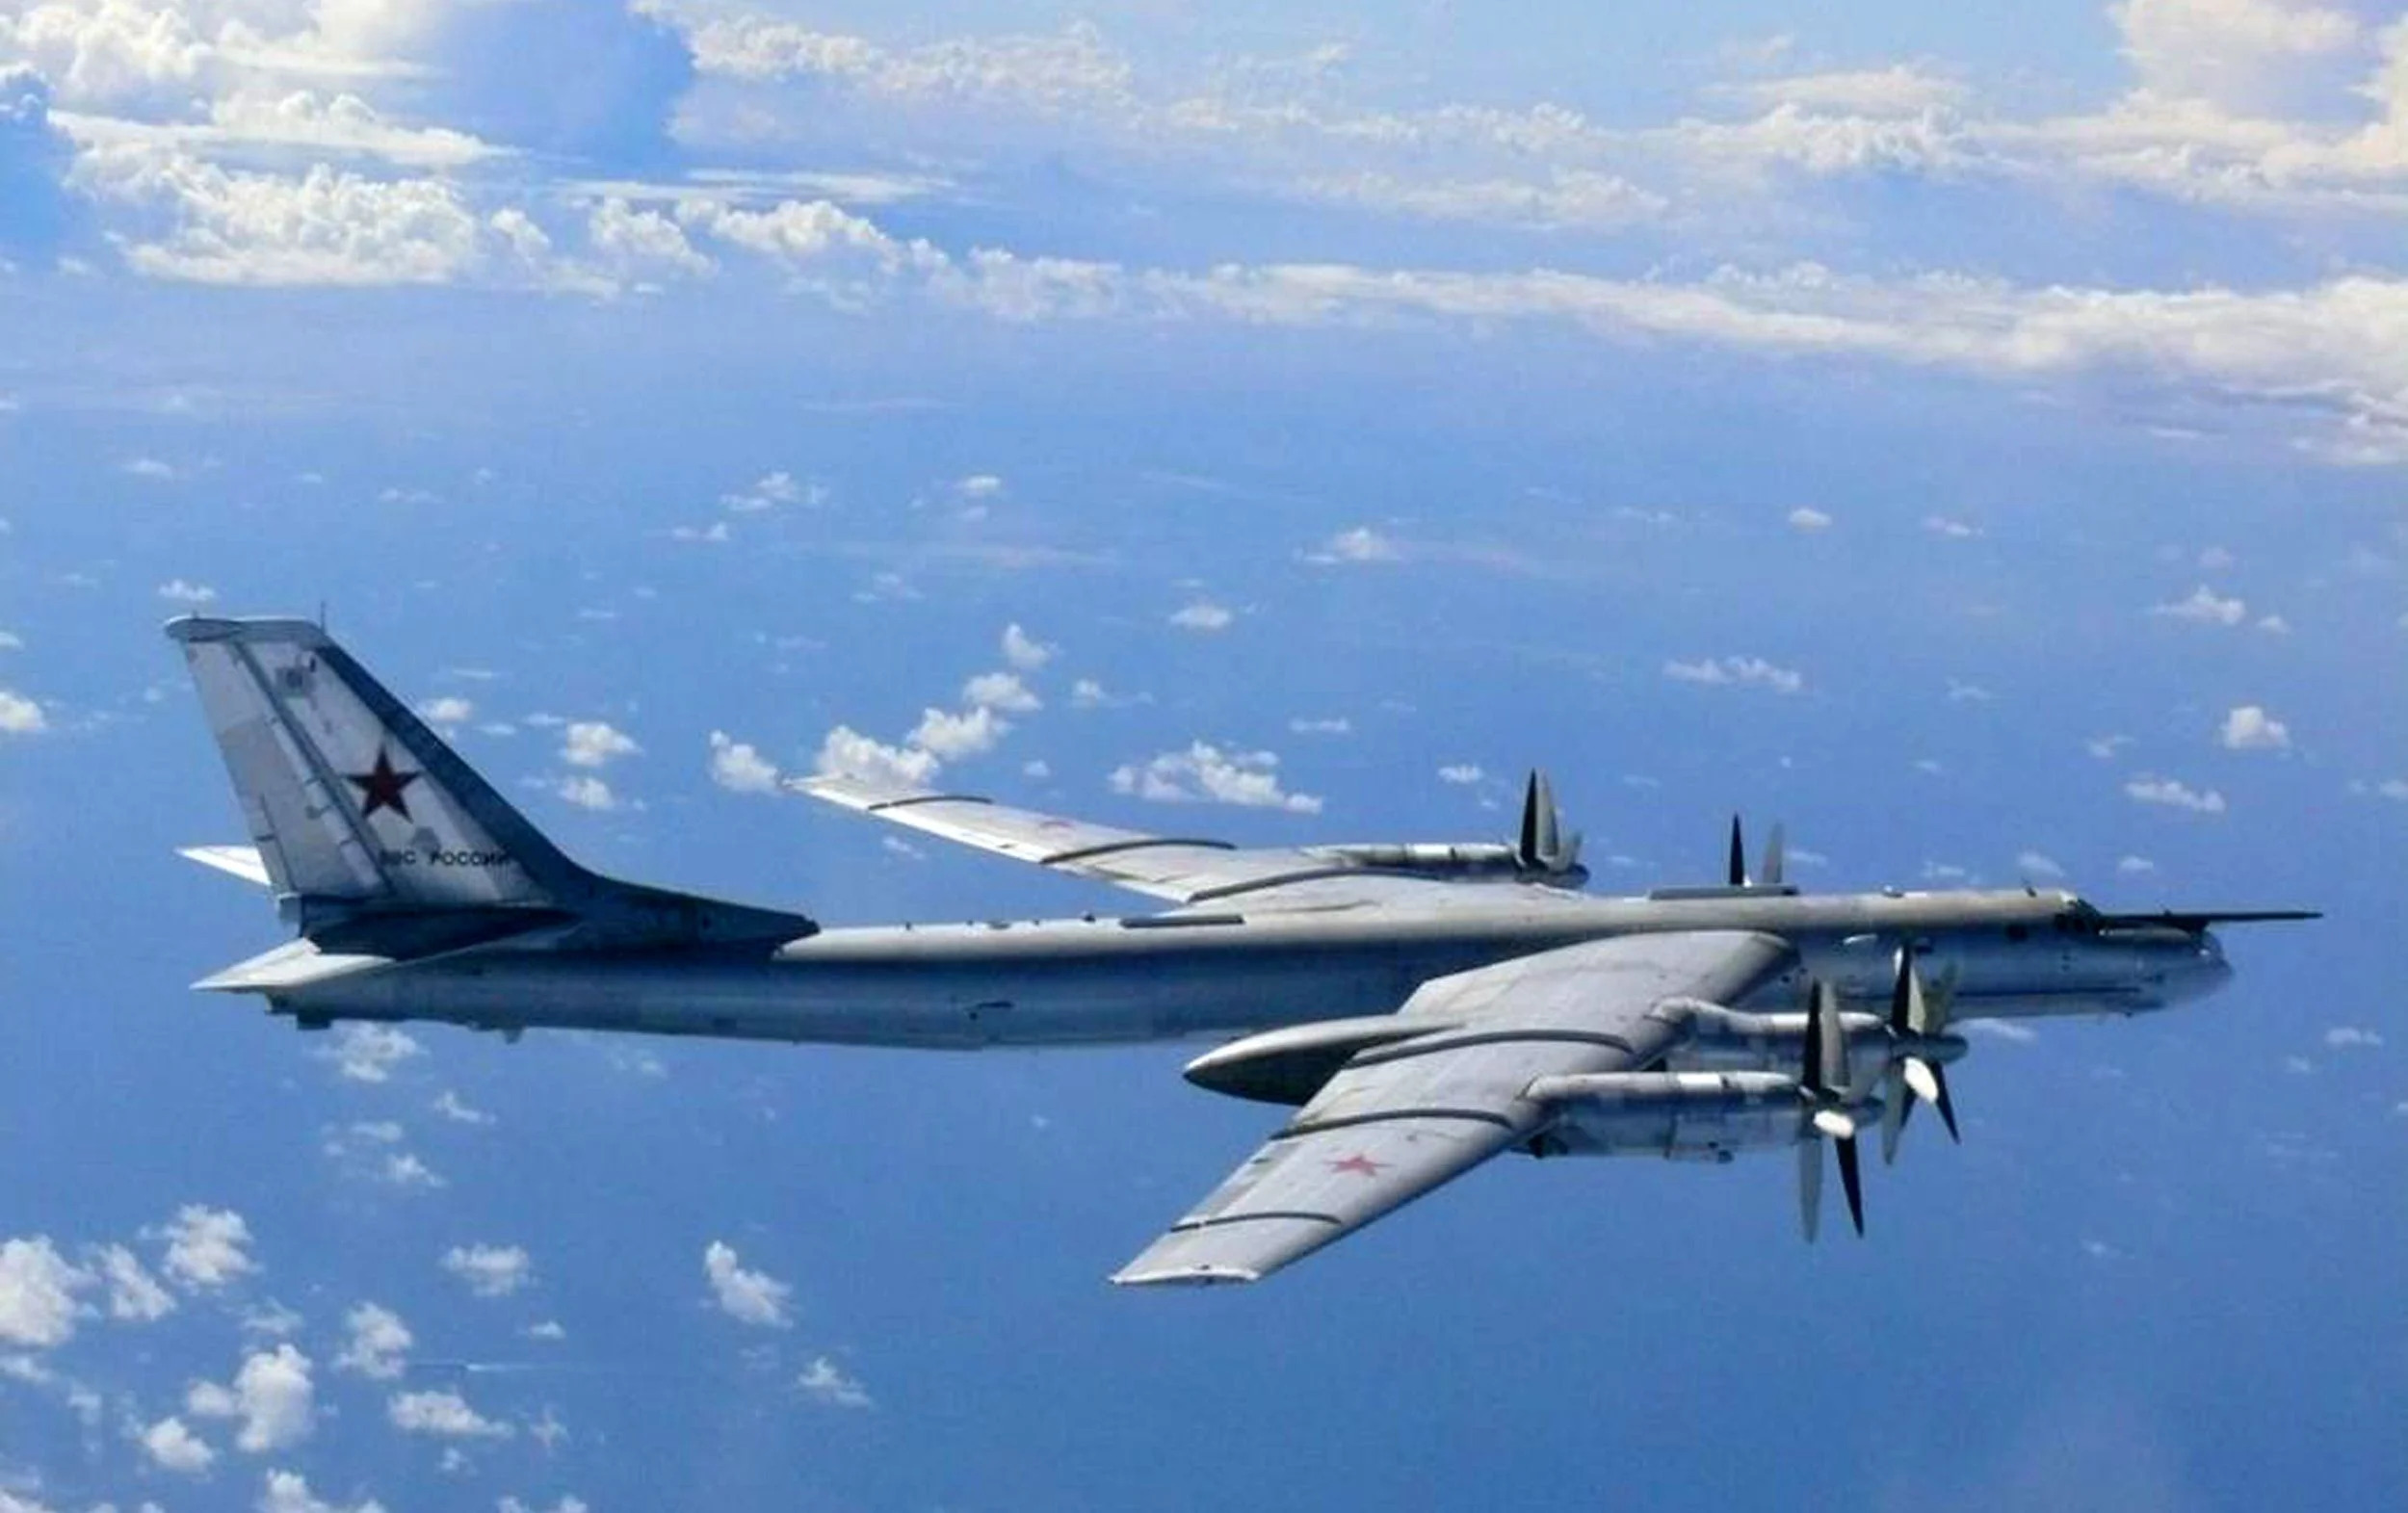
(2199, 972)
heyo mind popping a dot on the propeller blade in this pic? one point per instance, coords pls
(1739, 855)
(1810, 1187)
(1851, 1179)
(1831, 1041)
(1922, 1077)
(1903, 993)
(1837, 1123)
(1947, 1110)
(1894, 1105)
(1810, 1075)
(1774, 856)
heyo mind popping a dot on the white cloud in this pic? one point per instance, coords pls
(172, 1447)
(175, 591)
(950, 737)
(272, 1394)
(1025, 652)
(369, 1052)
(752, 1297)
(827, 1382)
(2037, 864)
(1206, 774)
(2107, 747)
(769, 491)
(740, 767)
(1805, 518)
(1202, 615)
(2176, 795)
(1461, 773)
(2348, 1037)
(451, 1106)
(1898, 89)
(2204, 607)
(208, 1248)
(37, 1287)
(2134, 866)
(565, 1504)
(1560, 197)
(444, 1414)
(20, 715)
(979, 485)
(1088, 694)
(447, 711)
(2229, 52)
(1361, 544)
(2250, 728)
(1323, 725)
(1735, 670)
(847, 753)
(135, 1295)
(288, 1492)
(586, 792)
(594, 743)
(491, 1270)
(1953, 529)
(1001, 691)
(379, 1340)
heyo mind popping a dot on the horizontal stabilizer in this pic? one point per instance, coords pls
(296, 964)
(2196, 919)
(242, 861)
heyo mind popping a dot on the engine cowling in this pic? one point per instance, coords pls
(1684, 1115)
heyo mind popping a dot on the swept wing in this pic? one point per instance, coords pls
(1403, 1117)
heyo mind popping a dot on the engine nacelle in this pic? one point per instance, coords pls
(1444, 859)
(1682, 1115)
(1722, 1039)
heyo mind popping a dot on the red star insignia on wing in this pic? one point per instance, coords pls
(382, 786)
(1360, 1164)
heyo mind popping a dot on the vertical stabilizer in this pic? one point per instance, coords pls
(350, 798)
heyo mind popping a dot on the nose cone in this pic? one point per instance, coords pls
(2196, 970)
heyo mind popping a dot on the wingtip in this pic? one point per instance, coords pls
(1197, 1274)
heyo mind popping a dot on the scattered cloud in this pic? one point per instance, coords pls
(1953, 529)
(2354, 1037)
(450, 1105)
(369, 1052)
(740, 767)
(208, 1248)
(2134, 866)
(2250, 728)
(1001, 691)
(752, 1297)
(767, 493)
(2107, 747)
(2173, 793)
(594, 743)
(586, 792)
(1024, 651)
(20, 715)
(176, 590)
(135, 1295)
(1321, 725)
(2037, 864)
(1203, 616)
(2204, 607)
(448, 710)
(950, 737)
(271, 1396)
(1207, 773)
(1464, 775)
(443, 1414)
(491, 1270)
(1735, 671)
(150, 468)
(847, 753)
(824, 1381)
(1807, 518)
(288, 1492)
(1361, 544)
(172, 1447)
(378, 1342)
(38, 1287)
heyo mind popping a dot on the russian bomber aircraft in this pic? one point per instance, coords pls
(1419, 1008)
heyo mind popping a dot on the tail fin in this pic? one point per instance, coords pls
(348, 796)
(362, 813)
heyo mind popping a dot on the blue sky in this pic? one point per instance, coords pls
(1977, 444)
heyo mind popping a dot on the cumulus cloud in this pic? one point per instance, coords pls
(378, 1342)
(752, 1297)
(950, 737)
(288, 1492)
(1207, 773)
(2354, 1037)
(447, 711)
(847, 753)
(1202, 615)
(135, 1295)
(2250, 728)
(443, 1414)
(271, 1396)
(2204, 607)
(2173, 793)
(38, 1287)
(1001, 691)
(172, 1447)
(175, 591)
(740, 767)
(20, 715)
(369, 1052)
(1805, 518)
(594, 743)
(1361, 544)
(1734, 671)
(2037, 864)
(208, 1248)
(824, 1381)
(586, 792)
(1024, 651)
(1461, 773)
(491, 1270)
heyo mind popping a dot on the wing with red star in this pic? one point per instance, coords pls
(1406, 1117)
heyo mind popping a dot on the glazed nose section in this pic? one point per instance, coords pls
(2195, 970)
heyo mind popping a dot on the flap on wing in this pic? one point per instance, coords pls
(291, 965)
(1188, 869)
(242, 861)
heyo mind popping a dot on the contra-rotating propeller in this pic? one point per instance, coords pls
(1917, 1020)
(1830, 1113)
(1768, 876)
(1542, 844)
